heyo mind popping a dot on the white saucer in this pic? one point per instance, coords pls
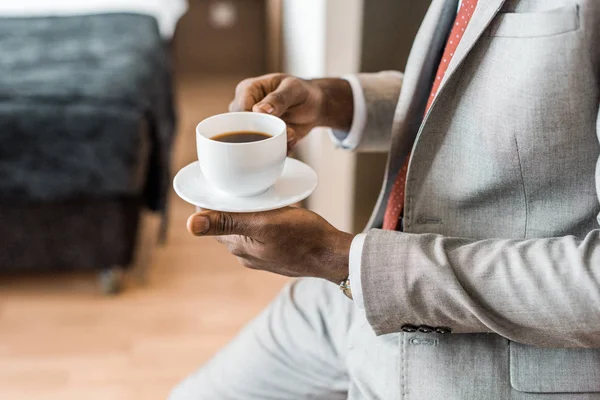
(296, 183)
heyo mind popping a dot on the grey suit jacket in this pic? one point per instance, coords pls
(502, 238)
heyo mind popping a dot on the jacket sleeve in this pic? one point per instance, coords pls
(381, 92)
(541, 292)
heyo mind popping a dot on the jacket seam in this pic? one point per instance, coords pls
(523, 186)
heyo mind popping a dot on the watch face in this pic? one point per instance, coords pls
(345, 287)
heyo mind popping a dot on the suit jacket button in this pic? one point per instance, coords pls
(443, 330)
(409, 328)
(425, 329)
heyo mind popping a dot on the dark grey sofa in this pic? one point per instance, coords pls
(86, 127)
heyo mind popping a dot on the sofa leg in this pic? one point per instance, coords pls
(111, 280)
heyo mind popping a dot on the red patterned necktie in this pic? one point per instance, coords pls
(395, 202)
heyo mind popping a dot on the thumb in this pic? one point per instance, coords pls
(280, 100)
(217, 223)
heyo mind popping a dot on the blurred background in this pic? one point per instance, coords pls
(103, 294)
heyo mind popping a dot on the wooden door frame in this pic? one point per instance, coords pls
(274, 10)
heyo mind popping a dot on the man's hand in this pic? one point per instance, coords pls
(302, 104)
(289, 241)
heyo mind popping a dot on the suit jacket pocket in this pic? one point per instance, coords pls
(536, 24)
(541, 370)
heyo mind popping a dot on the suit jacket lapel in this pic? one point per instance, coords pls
(418, 75)
(484, 13)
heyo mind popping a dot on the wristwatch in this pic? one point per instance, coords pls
(345, 288)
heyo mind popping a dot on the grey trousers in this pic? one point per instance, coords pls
(296, 349)
(314, 343)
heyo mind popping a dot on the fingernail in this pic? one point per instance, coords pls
(266, 107)
(200, 224)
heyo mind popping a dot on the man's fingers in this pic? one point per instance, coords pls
(271, 94)
(246, 263)
(277, 102)
(216, 223)
(225, 239)
(251, 91)
(247, 93)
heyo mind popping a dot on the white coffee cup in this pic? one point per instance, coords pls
(241, 169)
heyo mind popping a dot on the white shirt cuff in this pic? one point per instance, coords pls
(356, 249)
(350, 140)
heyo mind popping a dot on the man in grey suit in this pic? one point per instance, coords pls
(488, 286)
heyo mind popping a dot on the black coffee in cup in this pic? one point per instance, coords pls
(241, 137)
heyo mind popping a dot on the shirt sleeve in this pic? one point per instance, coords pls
(350, 140)
(356, 250)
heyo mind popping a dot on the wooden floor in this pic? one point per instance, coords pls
(61, 339)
